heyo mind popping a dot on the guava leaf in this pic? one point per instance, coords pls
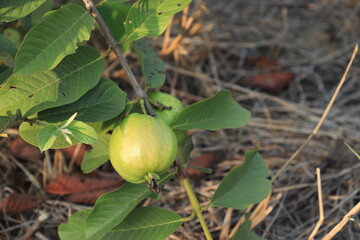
(152, 67)
(6, 121)
(31, 135)
(244, 232)
(150, 17)
(184, 150)
(6, 46)
(114, 15)
(57, 36)
(154, 223)
(116, 1)
(74, 229)
(16, 9)
(219, 111)
(98, 155)
(111, 208)
(82, 132)
(103, 102)
(47, 137)
(244, 185)
(66, 83)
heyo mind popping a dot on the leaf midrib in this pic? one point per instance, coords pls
(51, 42)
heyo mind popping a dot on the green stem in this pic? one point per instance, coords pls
(195, 204)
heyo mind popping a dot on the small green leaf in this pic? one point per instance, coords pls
(67, 122)
(47, 137)
(6, 121)
(6, 46)
(152, 67)
(16, 9)
(184, 150)
(30, 133)
(154, 223)
(244, 232)
(57, 36)
(244, 185)
(98, 155)
(151, 17)
(103, 102)
(82, 132)
(66, 83)
(219, 111)
(74, 229)
(111, 208)
(202, 169)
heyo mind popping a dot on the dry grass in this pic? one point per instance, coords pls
(205, 51)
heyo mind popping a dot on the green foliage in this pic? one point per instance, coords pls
(47, 137)
(244, 185)
(105, 101)
(152, 67)
(154, 223)
(98, 155)
(111, 208)
(16, 9)
(74, 229)
(150, 17)
(55, 37)
(43, 90)
(30, 133)
(219, 111)
(244, 232)
(114, 14)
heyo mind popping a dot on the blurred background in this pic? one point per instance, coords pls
(282, 60)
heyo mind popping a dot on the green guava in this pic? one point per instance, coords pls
(142, 147)
(168, 115)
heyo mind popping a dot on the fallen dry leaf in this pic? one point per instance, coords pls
(274, 81)
(70, 151)
(261, 62)
(65, 184)
(17, 203)
(206, 160)
(88, 198)
(23, 150)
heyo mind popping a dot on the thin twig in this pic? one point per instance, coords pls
(342, 223)
(323, 117)
(321, 208)
(120, 56)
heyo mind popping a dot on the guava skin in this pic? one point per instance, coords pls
(167, 100)
(142, 145)
(169, 116)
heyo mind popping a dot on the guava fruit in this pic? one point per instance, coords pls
(142, 147)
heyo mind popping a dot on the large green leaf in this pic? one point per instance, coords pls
(30, 133)
(114, 15)
(152, 67)
(244, 232)
(150, 17)
(154, 223)
(105, 101)
(74, 229)
(71, 79)
(98, 155)
(244, 185)
(219, 111)
(111, 208)
(57, 36)
(11, 10)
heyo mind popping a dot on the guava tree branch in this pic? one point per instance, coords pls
(114, 46)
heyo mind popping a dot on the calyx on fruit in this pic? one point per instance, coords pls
(168, 115)
(142, 147)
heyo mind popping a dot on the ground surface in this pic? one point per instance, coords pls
(281, 60)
